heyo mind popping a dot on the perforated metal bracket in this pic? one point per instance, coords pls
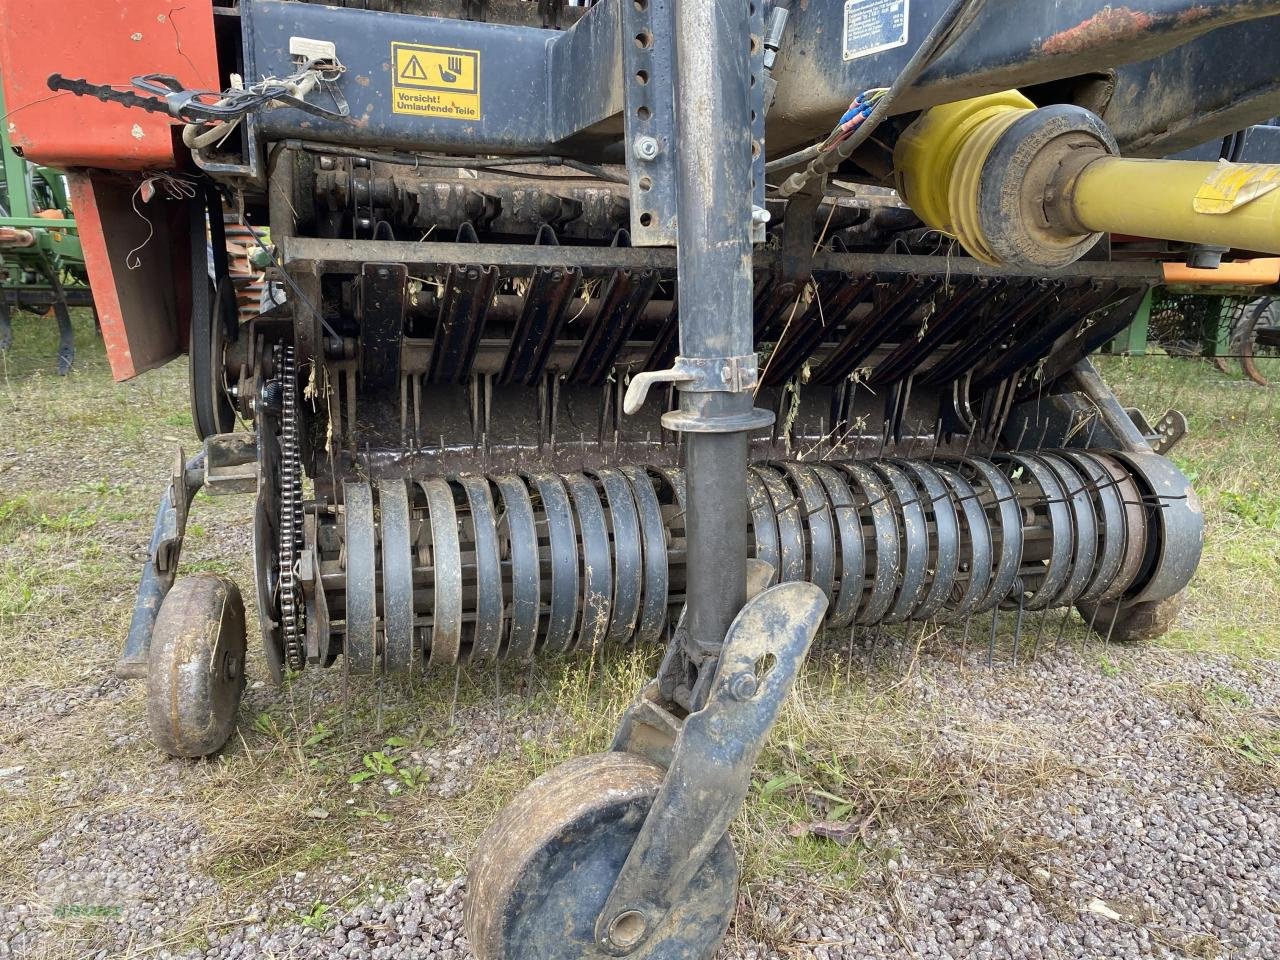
(1166, 434)
(696, 375)
(649, 119)
(1169, 431)
(756, 93)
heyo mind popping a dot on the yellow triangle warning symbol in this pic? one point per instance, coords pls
(413, 70)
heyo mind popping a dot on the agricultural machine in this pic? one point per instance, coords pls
(41, 265)
(706, 323)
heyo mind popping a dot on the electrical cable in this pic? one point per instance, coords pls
(957, 18)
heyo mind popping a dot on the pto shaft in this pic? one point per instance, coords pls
(1229, 205)
(1035, 187)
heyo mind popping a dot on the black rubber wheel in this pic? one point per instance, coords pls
(1133, 621)
(542, 872)
(1261, 313)
(195, 669)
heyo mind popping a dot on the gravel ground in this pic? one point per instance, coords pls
(1153, 832)
(1147, 848)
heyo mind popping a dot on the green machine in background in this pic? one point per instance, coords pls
(41, 264)
(1222, 324)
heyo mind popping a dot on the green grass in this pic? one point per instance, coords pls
(1230, 453)
(337, 778)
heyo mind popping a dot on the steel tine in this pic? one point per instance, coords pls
(1062, 627)
(1114, 614)
(377, 701)
(453, 703)
(1035, 645)
(1017, 626)
(991, 643)
(871, 651)
(1090, 630)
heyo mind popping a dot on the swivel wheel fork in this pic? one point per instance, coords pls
(612, 855)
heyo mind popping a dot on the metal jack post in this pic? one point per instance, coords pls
(660, 805)
(716, 372)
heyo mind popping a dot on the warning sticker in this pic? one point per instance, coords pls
(1232, 186)
(435, 81)
(871, 26)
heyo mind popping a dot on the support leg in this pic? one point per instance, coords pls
(66, 337)
(713, 194)
(6, 326)
(161, 566)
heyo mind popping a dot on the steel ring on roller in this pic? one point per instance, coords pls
(884, 581)
(628, 558)
(764, 525)
(915, 541)
(360, 544)
(1110, 511)
(1061, 547)
(675, 480)
(653, 535)
(786, 510)
(1085, 527)
(670, 493)
(597, 565)
(821, 569)
(1135, 526)
(562, 543)
(1178, 521)
(1007, 539)
(399, 653)
(977, 562)
(486, 628)
(853, 560)
(946, 541)
(446, 567)
(520, 533)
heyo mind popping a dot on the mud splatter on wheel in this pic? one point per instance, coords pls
(543, 870)
(195, 670)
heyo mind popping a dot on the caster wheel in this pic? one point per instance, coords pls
(542, 871)
(195, 670)
(1136, 621)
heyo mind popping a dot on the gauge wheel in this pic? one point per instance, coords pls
(195, 667)
(541, 873)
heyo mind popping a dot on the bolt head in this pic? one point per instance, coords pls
(627, 929)
(646, 147)
(743, 686)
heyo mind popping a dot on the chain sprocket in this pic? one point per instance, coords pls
(292, 612)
